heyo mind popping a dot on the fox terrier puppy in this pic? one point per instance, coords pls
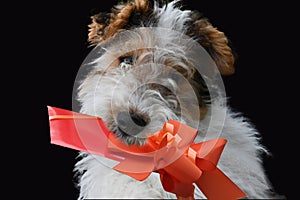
(154, 62)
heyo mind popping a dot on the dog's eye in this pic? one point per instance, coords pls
(126, 63)
(128, 60)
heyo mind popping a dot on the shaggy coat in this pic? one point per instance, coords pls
(143, 64)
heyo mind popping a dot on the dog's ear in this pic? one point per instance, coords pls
(215, 43)
(105, 25)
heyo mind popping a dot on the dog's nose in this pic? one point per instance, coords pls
(131, 123)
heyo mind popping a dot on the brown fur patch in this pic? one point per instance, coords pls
(105, 25)
(216, 43)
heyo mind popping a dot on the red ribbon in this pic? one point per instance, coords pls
(169, 152)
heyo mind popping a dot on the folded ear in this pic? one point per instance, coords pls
(215, 43)
(105, 25)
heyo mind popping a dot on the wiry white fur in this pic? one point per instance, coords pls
(241, 158)
(171, 17)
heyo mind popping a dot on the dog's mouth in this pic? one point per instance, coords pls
(129, 139)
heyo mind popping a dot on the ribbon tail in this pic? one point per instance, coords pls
(78, 131)
(171, 184)
(125, 169)
(136, 176)
(179, 177)
(63, 131)
(137, 167)
(215, 185)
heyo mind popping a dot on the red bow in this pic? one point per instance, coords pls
(169, 152)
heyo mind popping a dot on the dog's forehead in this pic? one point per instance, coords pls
(147, 39)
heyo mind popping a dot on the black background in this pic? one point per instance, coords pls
(48, 41)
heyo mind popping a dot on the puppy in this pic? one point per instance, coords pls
(154, 62)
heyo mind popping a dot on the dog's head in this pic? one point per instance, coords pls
(143, 67)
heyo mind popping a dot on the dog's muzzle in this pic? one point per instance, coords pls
(131, 123)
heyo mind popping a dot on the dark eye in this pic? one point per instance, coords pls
(126, 63)
(128, 60)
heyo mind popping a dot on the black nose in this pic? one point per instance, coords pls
(131, 123)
